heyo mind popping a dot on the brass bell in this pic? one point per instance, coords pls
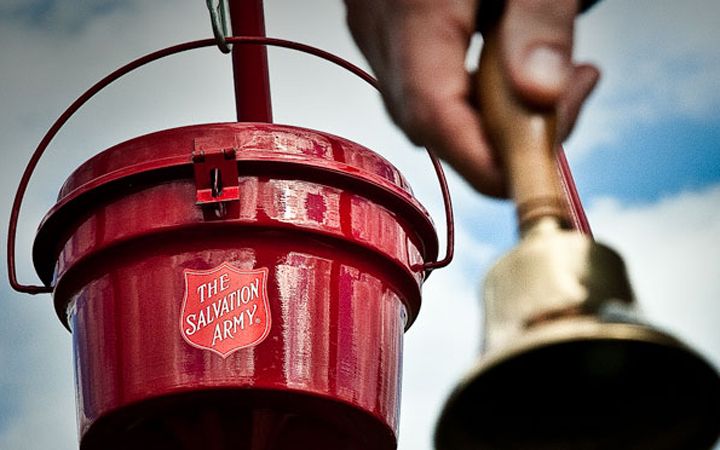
(567, 363)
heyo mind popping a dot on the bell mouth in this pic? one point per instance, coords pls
(585, 385)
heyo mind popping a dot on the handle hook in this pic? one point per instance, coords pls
(219, 22)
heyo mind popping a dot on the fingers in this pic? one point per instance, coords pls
(536, 49)
(455, 135)
(582, 82)
(537, 39)
(425, 66)
(367, 26)
(421, 68)
(430, 99)
(417, 49)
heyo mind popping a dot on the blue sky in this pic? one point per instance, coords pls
(645, 157)
(669, 156)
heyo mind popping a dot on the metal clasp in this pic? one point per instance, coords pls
(216, 176)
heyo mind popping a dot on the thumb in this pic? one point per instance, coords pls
(537, 41)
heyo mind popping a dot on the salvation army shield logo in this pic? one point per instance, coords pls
(225, 308)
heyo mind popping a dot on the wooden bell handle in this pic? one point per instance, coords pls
(524, 138)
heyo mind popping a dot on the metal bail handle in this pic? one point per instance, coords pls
(179, 48)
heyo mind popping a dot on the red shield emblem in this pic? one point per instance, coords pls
(225, 308)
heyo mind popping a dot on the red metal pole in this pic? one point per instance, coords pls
(250, 66)
(580, 221)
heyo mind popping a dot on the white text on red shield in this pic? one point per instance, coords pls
(229, 312)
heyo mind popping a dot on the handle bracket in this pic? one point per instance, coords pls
(216, 174)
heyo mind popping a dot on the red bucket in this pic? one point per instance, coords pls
(234, 286)
(237, 286)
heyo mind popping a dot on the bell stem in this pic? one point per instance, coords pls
(524, 138)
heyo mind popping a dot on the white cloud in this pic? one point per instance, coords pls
(671, 248)
(660, 60)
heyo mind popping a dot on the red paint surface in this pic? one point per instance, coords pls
(339, 232)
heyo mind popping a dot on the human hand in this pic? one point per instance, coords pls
(417, 49)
